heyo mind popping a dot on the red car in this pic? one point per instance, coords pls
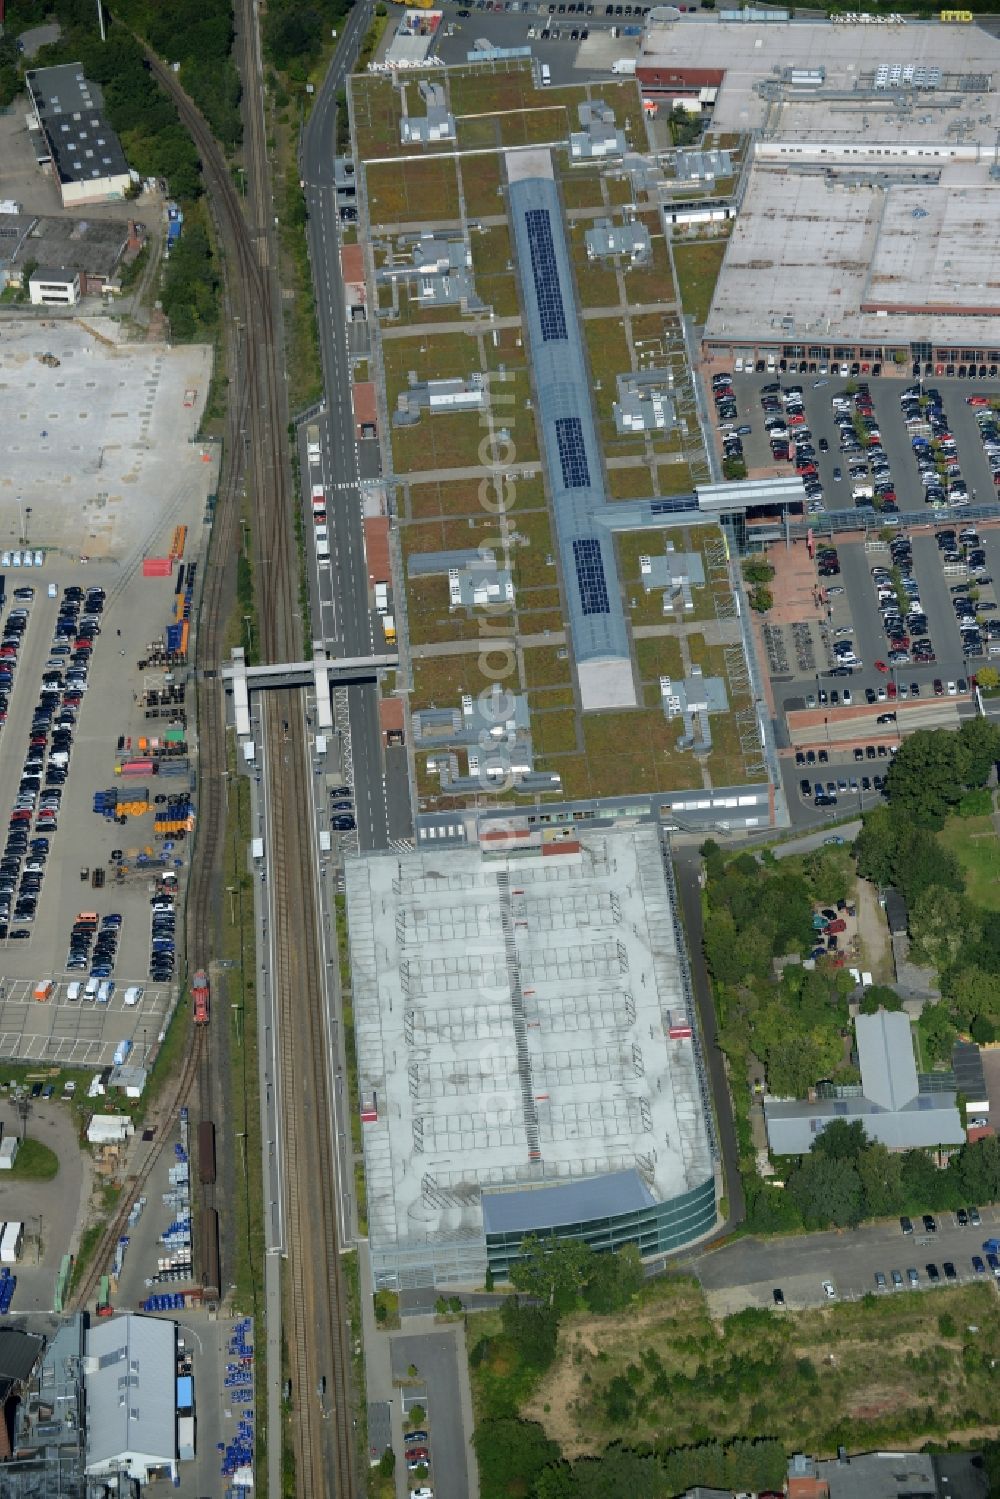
(977, 400)
(891, 690)
(881, 666)
(417, 1455)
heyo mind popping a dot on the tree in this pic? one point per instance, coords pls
(826, 1191)
(757, 569)
(978, 1168)
(722, 949)
(978, 743)
(532, 1331)
(387, 1463)
(828, 874)
(881, 1178)
(614, 1280)
(988, 678)
(880, 997)
(938, 1032)
(940, 924)
(876, 847)
(919, 1177)
(511, 1454)
(842, 1140)
(552, 1270)
(925, 779)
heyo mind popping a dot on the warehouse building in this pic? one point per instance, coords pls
(822, 266)
(868, 223)
(130, 1384)
(526, 1056)
(83, 151)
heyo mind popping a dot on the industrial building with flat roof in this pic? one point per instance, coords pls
(838, 269)
(85, 153)
(867, 89)
(526, 1056)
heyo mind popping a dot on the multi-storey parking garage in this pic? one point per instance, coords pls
(526, 1056)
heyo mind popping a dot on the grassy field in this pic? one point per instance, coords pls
(630, 483)
(481, 177)
(698, 266)
(400, 192)
(609, 357)
(35, 1162)
(974, 844)
(874, 1374)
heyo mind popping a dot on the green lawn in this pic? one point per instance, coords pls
(698, 266)
(35, 1162)
(974, 843)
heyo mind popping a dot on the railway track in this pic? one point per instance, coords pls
(315, 1293)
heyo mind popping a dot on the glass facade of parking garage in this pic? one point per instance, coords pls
(630, 1216)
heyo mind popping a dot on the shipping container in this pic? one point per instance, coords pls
(206, 1152)
(185, 1439)
(11, 1243)
(138, 768)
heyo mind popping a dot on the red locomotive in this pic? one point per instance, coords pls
(199, 993)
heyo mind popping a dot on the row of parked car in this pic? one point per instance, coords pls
(904, 620)
(162, 936)
(872, 484)
(989, 433)
(95, 947)
(935, 448)
(46, 764)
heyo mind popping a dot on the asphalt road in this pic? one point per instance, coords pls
(342, 587)
(746, 1271)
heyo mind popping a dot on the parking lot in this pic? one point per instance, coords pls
(92, 702)
(818, 419)
(883, 630)
(746, 1272)
(566, 35)
(82, 1033)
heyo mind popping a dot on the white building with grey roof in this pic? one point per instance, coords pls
(526, 1054)
(894, 1108)
(130, 1381)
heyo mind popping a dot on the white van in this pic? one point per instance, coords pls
(546, 75)
(105, 991)
(322, 550)
(132, 995)
(73, 989)
(90, 988)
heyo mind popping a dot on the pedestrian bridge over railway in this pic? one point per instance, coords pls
(321, 671)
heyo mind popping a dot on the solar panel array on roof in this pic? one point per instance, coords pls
(546, 274)
(590, 576)
(572, 452)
